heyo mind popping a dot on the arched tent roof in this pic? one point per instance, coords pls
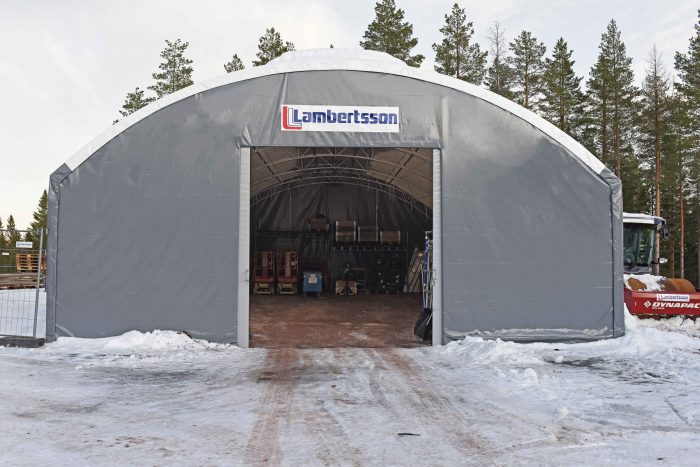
(341, 59)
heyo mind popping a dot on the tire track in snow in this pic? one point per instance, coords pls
(332, 443)
(263, 446)
(434, 407)
(515, 431)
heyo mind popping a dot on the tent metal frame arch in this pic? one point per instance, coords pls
(333, 164)
(364, 182)
(267, 164)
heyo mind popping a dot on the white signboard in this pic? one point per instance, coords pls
(29, 245)
(5, 253)
(352, 118)
(667, 297)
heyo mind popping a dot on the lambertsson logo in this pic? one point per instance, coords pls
(667, 297)
(350, 118)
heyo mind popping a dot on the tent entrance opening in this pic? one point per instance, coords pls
(336, 241)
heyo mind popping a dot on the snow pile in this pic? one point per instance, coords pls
(156, 340)
(642, 339)
(647, 353)
(652, 283)
(135, 342)
(674, 324)
(476, 350)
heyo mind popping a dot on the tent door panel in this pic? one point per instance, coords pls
(437, 250)
(243, 309)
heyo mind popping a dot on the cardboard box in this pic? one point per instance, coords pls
(345, 231)
(343, 287)
(391, 237)
(319, 224)
(367, 234)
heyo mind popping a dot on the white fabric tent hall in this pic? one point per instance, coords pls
(527, 222)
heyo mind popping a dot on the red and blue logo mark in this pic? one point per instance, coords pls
(288, 121)
(368, 119)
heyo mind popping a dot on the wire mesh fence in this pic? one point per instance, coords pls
(22, 277)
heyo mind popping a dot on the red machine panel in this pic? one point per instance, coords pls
(287, 272)
(662, 303)
(264, 266)
(287, 266)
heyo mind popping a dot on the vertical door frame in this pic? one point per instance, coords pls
(243, 282)
(243, 293)
(437, 248)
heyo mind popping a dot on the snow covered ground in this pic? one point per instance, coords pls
(162, 398)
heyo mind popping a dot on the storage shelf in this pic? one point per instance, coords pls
(369, 248)
(292, 234)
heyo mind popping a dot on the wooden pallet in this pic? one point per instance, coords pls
(29, 262)
(17, 281)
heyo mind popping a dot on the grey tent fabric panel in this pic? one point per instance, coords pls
(51, 246)
(150, 233)
(259, 102)
(525, 254)
(617, 242)
(148, 225)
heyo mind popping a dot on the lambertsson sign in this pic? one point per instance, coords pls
(350, 118)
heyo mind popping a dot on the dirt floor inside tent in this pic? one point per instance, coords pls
(367, 321)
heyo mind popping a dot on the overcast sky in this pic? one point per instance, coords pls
(65, 66)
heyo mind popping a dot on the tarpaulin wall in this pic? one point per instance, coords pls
(145, 225)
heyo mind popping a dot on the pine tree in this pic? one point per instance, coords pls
(563, 99)
(612, 94)
(637, 189)
(12, 235)
(527, 65)
(456, 55)
(673, 186)
(134, 101)
(39, 221)
(389, 33)
(499, 75)
(176, 72)
(234, 65)
(687, 67)
(271, 46)
(599, 103)
(2, 235)
(653, 126)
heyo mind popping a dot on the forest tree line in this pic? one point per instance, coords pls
(10, 234)
(648, 134)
